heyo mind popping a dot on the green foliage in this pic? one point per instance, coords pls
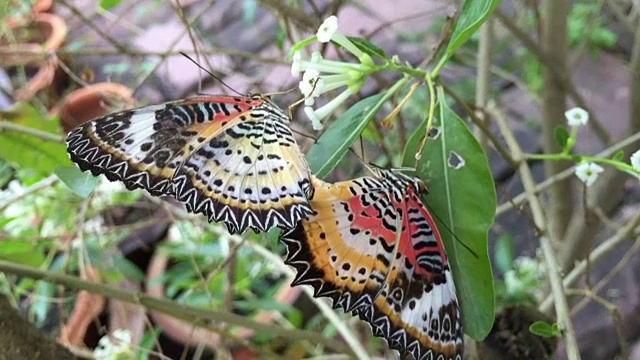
(472, 16)
(81, 183)
(462, 199)
(29, 151)
(504, 254)
(586, 25)
(562, 135)
(334, 143)
(544, 329)
(109, 4)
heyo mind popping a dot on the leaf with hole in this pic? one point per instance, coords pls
(463, 202)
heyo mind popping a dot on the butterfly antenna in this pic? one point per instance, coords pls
(435, 214)
(210, 73)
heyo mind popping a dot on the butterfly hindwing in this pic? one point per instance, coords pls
(233, 159)
(373, 248)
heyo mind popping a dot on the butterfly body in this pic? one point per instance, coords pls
(373, 248)
(233, 159)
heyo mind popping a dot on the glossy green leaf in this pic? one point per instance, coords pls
(31, 151)
(109, 4)
(80, 182)
(618, 156)
(562, 135)
(544, 329)
(21, 252)
(334, 143)
(504, 253)
(462, 199)
(472, 15)
(367, 47)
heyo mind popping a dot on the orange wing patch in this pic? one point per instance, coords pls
(372, 247)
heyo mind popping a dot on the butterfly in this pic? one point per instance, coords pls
(231, 158)
(373, 248)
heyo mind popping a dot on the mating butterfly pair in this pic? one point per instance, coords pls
(369, 244)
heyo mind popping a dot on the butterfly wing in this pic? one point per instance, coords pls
(231, 158)
(374, 249)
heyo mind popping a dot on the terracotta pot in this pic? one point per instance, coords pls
(31, 43)
(42, 6)
(92, 101)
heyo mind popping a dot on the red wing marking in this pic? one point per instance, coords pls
(347, 251)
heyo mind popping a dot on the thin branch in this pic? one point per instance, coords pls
(6, 125)
(196, 315)
(521, 198)
(594, 257)
(594, 121)
(44, 183)
(553, 270)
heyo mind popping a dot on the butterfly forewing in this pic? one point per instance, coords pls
(372, 247)
(233, 159)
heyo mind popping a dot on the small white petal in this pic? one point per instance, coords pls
(577, 116)
(327, 29)
(315, 120)
(588, 172)
(635, 160)
(295, 64)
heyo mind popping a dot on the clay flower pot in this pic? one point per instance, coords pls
(29, 43)
(92, 101)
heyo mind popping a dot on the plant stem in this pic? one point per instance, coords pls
(553, 270)
(198, 316)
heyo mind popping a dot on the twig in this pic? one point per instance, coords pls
(44, 183)
(197, 315)
(553, 271)
(595, 256)
(594, 121)
(519, 199)
(5, 125)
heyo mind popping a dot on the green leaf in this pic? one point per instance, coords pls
(31, 151)
(463, 200)
(619, 156)
(334, 143)
(20, 252)
(367, 47)
(504, 253)
(544, 329)
(562, 135)
(80, 182)
(109, 4)
(473, 14)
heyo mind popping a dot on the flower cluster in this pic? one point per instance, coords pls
(526, 275)
(321, 75)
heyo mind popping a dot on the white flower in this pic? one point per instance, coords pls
(588, 172)
(315, 120)
(111, 346)
(311, 86)
(513, 283)
(577, 116)
(296, 67)
(635, 160)
(327, 29)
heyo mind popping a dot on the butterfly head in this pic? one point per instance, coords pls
(400, 180)
(268, 109)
